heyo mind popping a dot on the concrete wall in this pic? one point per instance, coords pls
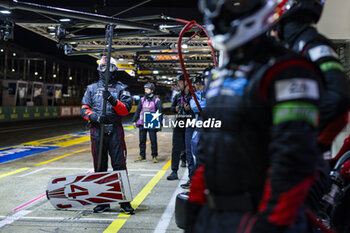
(335, 21)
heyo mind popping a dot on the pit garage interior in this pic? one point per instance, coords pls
(48, 53)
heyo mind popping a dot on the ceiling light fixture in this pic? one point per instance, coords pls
(5, 12)
(65, 20)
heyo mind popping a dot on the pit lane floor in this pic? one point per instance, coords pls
(24, 207)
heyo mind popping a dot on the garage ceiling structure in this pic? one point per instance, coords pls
(145, 39)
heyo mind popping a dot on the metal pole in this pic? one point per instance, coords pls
(62, 12)
(102, 37)
(94, 51)
(6, 63)
(109, 36)
(175, 61)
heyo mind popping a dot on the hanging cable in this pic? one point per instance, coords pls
(189, 25)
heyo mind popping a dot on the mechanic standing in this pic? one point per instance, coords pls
(296, 32)
(255, 171)
(148, 103)
(118, 104)
(200, 94)
(181, 135)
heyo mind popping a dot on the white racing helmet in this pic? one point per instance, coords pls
(102, 64)
(232, 23)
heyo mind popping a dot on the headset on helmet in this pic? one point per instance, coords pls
(102, 64)
(309, 11)
(149, 86)
(232, 23)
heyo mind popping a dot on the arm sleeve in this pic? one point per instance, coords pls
(86, 105)
(137, 113)
(123, 106)
(201, 101)
(194, 106)
(336, 100)
(174, 104)
(292, 93)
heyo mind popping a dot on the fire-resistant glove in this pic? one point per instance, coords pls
(98, 119)
(110, 98)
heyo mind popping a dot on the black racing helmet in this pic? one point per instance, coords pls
(309, 11)
(180, 77)
(233, 23)
(198, 79)
(150, 86)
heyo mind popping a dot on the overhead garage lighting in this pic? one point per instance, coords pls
(64, 20)
(155, 72)
(51, 28)
(184, 46)
(5, 12)
(164, 76)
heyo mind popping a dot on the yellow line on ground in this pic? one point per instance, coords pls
(48, 161)
(129, 127)
(14, 172)
(115, 226)
(4, 148)
(60, 157)
(118, 223)
(167, 165)
(145, 191)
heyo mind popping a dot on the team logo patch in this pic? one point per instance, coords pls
(296, 88)
(151, 120)
(236, 86)
(322, 51)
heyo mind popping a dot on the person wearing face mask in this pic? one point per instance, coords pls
(118, 104)
(148, 103)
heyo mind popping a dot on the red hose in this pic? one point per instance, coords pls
(318, 223)
(206, 33)
(188, 26)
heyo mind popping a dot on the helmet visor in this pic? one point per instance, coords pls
(103, 67)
